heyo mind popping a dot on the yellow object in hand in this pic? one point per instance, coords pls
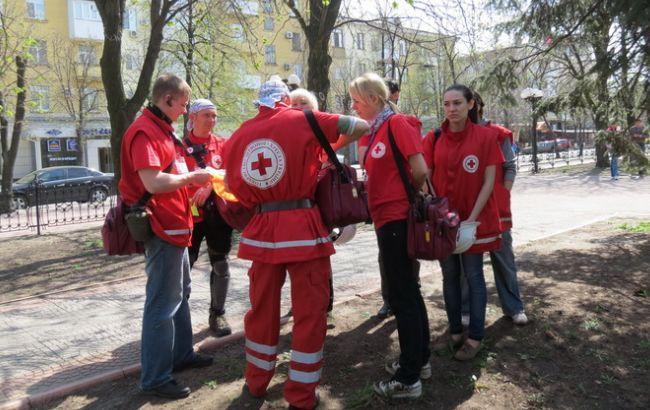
(219, 184)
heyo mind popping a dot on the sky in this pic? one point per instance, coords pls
(471, 21)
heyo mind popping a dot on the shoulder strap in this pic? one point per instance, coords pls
(313, 123)
(195, 153)
(147, 195)
(399, 161)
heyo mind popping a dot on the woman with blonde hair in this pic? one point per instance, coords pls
(389, 205)
(303, 99)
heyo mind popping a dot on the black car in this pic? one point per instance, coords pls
(62, 184)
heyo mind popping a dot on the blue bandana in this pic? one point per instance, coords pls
(196, 106)
(271, 92)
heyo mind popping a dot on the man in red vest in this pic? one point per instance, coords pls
(272, 163)
(155, 175)
(203, 149)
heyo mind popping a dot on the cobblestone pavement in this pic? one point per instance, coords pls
(67, 337)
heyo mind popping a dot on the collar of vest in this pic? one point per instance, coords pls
(157, 112)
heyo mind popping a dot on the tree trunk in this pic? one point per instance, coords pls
(121, 111)
(10, 151)
(319, 62)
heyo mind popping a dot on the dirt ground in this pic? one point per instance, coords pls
(587, 346)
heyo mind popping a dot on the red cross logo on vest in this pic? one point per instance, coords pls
(378, 150)
(470, 163)
(263, 164)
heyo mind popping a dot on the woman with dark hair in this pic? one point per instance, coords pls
(463, 160)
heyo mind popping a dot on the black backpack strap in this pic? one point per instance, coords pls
(196, 151)
(322, 139)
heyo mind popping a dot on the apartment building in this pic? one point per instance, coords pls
(65, 96)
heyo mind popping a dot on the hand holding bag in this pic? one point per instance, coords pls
(431, 226)
(341, 199)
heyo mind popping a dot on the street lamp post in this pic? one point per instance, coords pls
(533, 95)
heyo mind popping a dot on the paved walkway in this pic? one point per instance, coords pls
(60, 339)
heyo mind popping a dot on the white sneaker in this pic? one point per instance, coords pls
(425, 371)
(392, 389)
(520, 319)
(464, 319)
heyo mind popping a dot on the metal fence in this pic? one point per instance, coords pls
(52, 206)
(559, 159)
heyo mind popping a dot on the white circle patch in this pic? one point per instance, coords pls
(379, 150)
(264, 163)
(470, 163)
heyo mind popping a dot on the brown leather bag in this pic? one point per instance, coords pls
(431, 226)
(341, 199)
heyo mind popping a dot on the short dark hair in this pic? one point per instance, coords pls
(393, 87)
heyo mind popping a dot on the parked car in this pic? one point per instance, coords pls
(62, 184)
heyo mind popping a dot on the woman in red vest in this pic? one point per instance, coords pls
(389, 205)
(463, 159)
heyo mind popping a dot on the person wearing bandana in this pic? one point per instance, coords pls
(203, 149)
(272, 164)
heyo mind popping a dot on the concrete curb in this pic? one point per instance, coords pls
(210, 343)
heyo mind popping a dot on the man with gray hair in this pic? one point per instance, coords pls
(203, 149)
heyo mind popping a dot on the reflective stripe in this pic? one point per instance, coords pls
(506, 219)
(306, 358)
(260, 348)
(262, 364)
(487, 240)
(304, 377)
(283, 244)
(177, 231)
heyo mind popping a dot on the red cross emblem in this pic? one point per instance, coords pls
(470, 163)
(377, 149)
(261, 164)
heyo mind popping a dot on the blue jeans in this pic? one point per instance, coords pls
(613, 165)
(452, 268)
(505, 278)
(166, 324)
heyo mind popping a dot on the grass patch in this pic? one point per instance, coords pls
(591, 324)
(641, 227)
(360, 398)
(211, 384)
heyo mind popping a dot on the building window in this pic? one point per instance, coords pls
(269, 54)
(89, 99)
(297, 69)
(238, 32)
(402, 48)
(267, 6)
(337, 38)
(269, 24)
(361, 41)
(131, 20)
(36, 9)
(38, 51)
(362, 68)
(40, 96)
(296, 43)
(131, 62)
(86, 10)
(248, 8)
(87, 54)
